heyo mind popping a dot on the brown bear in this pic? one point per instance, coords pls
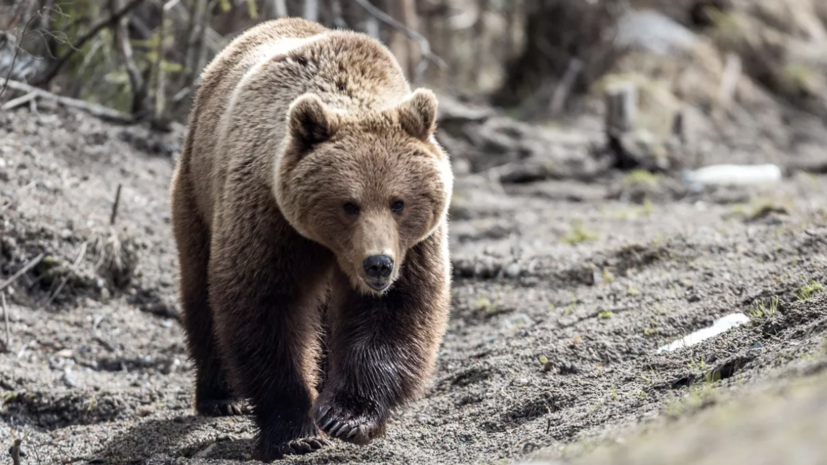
(309, 207)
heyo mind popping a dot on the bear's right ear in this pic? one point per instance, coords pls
(310, 122)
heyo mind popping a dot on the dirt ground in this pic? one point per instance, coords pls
(564, 291)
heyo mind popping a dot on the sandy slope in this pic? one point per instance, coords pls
(553, 336)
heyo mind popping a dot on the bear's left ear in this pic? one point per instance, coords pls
(310, 121)
(417, 113)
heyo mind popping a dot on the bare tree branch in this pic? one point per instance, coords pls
(52, 71)
(136, 82)
(160, 75)
(424, 45)
(16, 53)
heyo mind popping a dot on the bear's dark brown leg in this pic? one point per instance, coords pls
(383, 348)
(266, 283)
(212, 393)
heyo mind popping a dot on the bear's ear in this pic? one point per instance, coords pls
(417, 113)
(310, 121)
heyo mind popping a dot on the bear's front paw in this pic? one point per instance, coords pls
(350, 419)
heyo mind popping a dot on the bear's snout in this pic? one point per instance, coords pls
(378, 269)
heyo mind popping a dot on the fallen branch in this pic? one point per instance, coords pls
(19, 101)
(99, 111)
(55, 68)
(7, 343)
(22, 271)
(424, 45)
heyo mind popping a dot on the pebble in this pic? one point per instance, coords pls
(69, 379)
(755, 349)
(513, 270)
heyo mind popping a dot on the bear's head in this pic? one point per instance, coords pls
(367, 186)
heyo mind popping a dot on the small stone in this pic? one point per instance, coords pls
(755, 349)
(69, 379)
(65, 353)
(513, 270)
(65, 234)
(569, 368)
(144, 410)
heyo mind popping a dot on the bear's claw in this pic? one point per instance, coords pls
(346, 426)
(294, 447)
(223, 408)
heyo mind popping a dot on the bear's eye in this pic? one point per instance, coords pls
(351, 208)
(397, 206)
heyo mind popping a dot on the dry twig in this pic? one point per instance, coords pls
(22, 271)
(66, 278)
(16, 54)
(7, 342)
(114, 214)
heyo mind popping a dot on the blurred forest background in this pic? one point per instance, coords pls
(535, 58)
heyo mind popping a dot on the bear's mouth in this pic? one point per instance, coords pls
(378, 285)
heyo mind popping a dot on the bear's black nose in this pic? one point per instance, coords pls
(378, 266)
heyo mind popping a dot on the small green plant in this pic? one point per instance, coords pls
(696, 365)
(570, 308)
(482, 303)
(806, 292)
(640, 178)
(608, 276)
(633, 290)
(762, 310)
(648, 209)
(579, 234)
(604, 315)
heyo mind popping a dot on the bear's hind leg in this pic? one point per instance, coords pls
(213, 396)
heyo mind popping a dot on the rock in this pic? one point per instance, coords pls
(513, 270)
(69, 378)
(653, 32)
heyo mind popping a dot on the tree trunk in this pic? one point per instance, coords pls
(557, 32)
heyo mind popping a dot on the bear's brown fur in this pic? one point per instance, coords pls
(307, 154)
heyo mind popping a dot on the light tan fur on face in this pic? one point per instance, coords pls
(370, 159)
